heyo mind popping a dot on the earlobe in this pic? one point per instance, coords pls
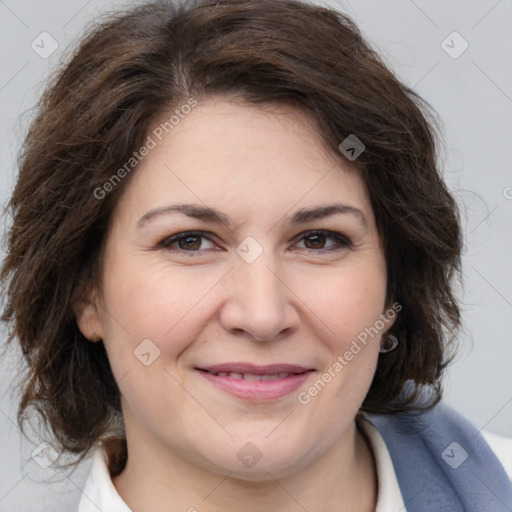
(390, 314)
(88, 320)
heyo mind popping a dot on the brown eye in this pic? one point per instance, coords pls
(323, 241)
(315, 241)
(189, 242)
(192, 241)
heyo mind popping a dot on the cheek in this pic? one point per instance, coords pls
(346, 302)
(156, 302)
(150, 300)
(154, 314)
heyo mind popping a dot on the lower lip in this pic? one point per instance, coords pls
(259, 390)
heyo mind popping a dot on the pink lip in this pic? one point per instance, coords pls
(257, 390)
(257, 370)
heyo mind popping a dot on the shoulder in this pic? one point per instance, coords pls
(442, 425)
(439, 446)
(502, 448)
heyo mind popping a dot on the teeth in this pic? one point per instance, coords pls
(252, 376)
(270, 377)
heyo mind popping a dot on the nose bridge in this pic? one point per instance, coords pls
(259, 281)
(255, 267)
(259, 300)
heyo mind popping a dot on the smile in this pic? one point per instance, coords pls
(256, 383)
(252, 376)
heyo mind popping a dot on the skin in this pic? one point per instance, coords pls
(294, 304)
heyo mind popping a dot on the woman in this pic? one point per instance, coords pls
(230, 271)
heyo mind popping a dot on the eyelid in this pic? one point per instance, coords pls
(343, 242)
(183, 234)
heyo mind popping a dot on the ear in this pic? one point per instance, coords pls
(87, 317)
(390, 314)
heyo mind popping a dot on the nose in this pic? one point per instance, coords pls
(260, 304)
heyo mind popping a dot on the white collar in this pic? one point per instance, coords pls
(100, 494)
(389, 498)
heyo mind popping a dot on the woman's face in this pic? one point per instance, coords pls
(283, 275)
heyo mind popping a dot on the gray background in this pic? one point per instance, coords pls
(473, 95)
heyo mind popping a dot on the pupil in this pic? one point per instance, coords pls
(318, 240)
(190, 242)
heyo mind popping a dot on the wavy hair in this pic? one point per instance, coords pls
(138, 65)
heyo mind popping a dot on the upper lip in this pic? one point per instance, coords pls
(269, 369)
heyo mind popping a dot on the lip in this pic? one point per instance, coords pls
(257, 390)
(256, 369)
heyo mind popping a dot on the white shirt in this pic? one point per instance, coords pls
(99, 493)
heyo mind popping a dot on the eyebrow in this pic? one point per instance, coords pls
(213, 216)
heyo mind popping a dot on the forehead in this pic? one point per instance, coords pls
(245, 159)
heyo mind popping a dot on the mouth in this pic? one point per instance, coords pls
(256, 383)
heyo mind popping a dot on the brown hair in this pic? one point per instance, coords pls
(139, 65)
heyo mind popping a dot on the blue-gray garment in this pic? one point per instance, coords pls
(443, 464)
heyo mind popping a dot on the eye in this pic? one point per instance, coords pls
(189, 241)
(318, 241)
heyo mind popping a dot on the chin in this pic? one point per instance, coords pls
(260, 462)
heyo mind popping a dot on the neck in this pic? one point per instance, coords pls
(342, 479)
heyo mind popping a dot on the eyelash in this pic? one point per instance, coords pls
(342, 241)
